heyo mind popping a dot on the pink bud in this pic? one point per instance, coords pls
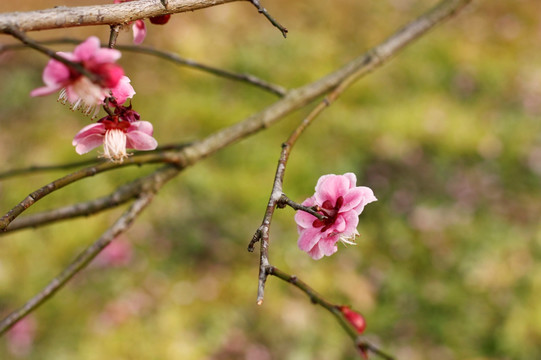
(354, 318)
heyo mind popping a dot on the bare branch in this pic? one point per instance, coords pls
(175, 58)
(31, 199)
(273, 21)
(122, 195)
(120, 226)
(109, 14)
(317, 299)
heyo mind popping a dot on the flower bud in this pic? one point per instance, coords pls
(354, 318)
(160, 20)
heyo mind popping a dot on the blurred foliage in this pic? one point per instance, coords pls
(447, 134)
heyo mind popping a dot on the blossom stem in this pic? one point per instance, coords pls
(113, 35)
(317, 299)
(273, 21)
(284, 200)
(50, 53)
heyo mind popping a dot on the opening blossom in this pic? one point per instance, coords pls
(339, 199)
(79, 90)
(118, 132)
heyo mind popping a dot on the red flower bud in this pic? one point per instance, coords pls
(160, 20)
(354, 318)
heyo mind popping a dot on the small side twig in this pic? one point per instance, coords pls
(273, 21)
(113, 35)
(120, 226)
(284, 200)
(334, 309)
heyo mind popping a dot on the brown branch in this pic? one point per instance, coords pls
(285, 201)
(120, 226)
(161, 157)
(109, 14)
(139, 158)
(334, 309)
(120, 196)
(273, 21)
(175, 58)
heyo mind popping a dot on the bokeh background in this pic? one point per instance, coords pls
(447, 135)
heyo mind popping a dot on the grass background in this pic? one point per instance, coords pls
(447, 135)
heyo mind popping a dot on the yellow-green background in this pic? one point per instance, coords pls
(448, 135)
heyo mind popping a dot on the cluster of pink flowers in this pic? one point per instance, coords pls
(117, 132)
(341, 202)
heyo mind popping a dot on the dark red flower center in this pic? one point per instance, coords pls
(114, 122)
(330, 211)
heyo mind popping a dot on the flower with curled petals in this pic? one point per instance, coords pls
(76, 88)
(116, 134)
(341, 202)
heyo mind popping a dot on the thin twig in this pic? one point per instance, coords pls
(120, 196)
(113, 35)
(144, 156)
(334, 309)
(175, 58)
(284, 200)
(120, 226)
(50, 53)
(273, 21)
(166, 157)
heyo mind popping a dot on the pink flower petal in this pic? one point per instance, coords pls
(352, 179)
(123, 90)
(139, 136)
(92, 129)
(88, 143)
(351, 220)
(368, 197)
(330, 187)
(105, 55)
(55, 73)
(352, 199)
(139, 31)
(316, 252)
(85, 50)
(328, 245)
(308, 239)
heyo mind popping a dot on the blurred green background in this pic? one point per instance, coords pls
(447, 135)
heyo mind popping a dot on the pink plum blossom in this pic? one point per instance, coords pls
(339, 199)
(79, 90)
(116, 133)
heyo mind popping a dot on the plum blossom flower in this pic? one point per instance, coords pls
(79, 90)
(117, 132)
(341, 202)
(139, 28)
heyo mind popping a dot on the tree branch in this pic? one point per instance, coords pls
(109, 14)
(122, 195)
